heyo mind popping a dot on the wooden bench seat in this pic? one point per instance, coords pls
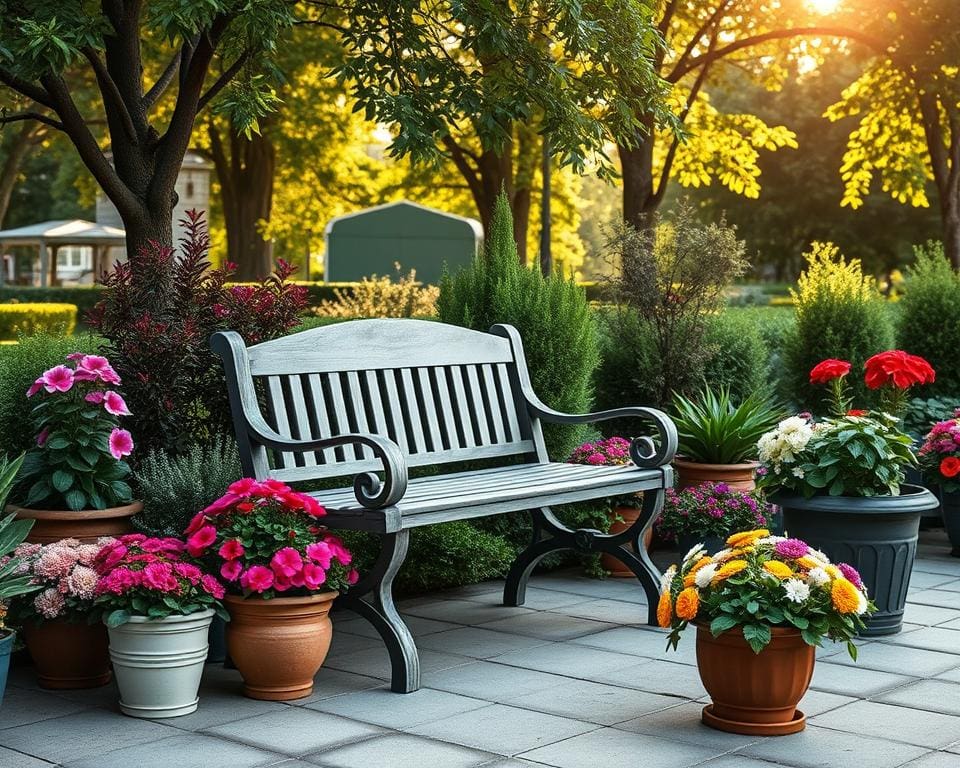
(370, 399)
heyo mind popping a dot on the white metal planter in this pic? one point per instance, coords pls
(158, 663)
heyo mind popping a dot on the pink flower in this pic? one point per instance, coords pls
(211, 586)
(49, 603)
(224, 502)
(792, 548)
(42, 437)
(198, 542)
(92, 367)
(313, 576)
(95, 397)
(231, 549)
(320, 553)
(243, 487)
(121, 443)
(353, 577)
(114, 404)
(188, 571)
(133, 538)
(231, 570)
(55, 562)
(851, 574)
(82, 582)
(257, 578)
(58, 379)
(35, 387)
(286, 562)
(109, 556)
(596, 458)
(159, 576)
(340, 553)
(195, 523)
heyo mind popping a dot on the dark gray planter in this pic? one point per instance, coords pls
(6, 645)
(876, 535)
(713, 543)
(929, 517)
(951, 519)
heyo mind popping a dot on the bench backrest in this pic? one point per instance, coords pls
(440, 392)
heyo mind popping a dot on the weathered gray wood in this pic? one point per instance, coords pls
(509, 407)
(430, 410)
(410, 410)
(463, 409)
(340, 423)
(278, 409)
(301, 417)
(358, 410)
(447, 411)
(479, 409)
(494, 406)
(315, 386)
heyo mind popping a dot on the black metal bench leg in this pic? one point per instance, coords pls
(383, 614)
(515, 588)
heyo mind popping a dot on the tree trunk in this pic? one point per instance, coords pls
(19, 148)
(951, 229)
(246, 175)
(640, 198)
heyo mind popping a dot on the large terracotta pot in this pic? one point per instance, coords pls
(87, 525)
(737, 476)
(279, 644)
(68, 655)
(754, 693)
(621, 518)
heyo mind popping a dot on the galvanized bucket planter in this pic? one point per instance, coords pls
(876, 535)
(158, 663)
(6, 645)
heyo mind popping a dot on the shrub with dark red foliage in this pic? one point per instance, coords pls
(158, 313)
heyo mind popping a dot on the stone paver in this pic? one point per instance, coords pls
(574, 679)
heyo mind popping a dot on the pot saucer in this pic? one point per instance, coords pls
(798, 723)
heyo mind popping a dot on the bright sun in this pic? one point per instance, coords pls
(824, 6)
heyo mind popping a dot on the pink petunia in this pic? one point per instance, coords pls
(313, 576)
(286, 562)
(114, 404)
(231, 570)
(196, 522)
(353, 577)
(58, 379)
(340, 553)
(42, 437)
(35, 387)
(224, 502)
(95, 397)
(121, 443)
(97, 367)
(320, 553)
(198, 542)
(231, 549)
(257, 578)
(243, 487)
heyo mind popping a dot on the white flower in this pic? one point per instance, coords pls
(861, 603)
(797, 472)
(818, 577)
(769, 541)
(796, 590)
(667, 577)
(719, 556)
(705, 575)
(816, 554)
(696, 551)
(782, 445)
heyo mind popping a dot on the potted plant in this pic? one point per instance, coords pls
(939, 458)
(13, 582)
(76, 473)
(157, 604)
(718, 439)
(708, 513)
(62, 631)
(760, 606)
(840, 480)
(622, 511)
(282, 572)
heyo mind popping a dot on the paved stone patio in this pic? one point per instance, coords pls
(573, 680)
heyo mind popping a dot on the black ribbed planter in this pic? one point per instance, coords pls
(876, 535)
(951, 519)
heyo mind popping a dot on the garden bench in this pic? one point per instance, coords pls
(372, 398)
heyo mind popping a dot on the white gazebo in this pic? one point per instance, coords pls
(50, 236)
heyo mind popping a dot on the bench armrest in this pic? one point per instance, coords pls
(644, 452)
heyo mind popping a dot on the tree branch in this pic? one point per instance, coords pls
(28, 89)
(111, 93)
(712, 19)
(37, 116)
(223, 80)
(457, 154)
(166, 77)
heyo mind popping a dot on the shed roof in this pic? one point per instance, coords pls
(411, 214)
(63, 232)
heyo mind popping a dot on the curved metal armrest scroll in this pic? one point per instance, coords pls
(371, 491)
(644, 451)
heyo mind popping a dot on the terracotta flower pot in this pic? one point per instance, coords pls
(627, 517)
(279, 644)
(737, 476)
(754, 693)
(87, 525)
(68, 655)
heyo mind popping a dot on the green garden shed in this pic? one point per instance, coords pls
(374, 240)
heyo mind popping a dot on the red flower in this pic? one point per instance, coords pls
(898, 368)
(198, 542)
(857, 412)
(950, 466)
(828, 370)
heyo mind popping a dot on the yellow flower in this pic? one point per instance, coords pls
(778, 569)
(688, 601)
(664, 610)
(845, 596)
(729, 569)
(727, 554)
(833, 571)
(745, 538)
(808, 563)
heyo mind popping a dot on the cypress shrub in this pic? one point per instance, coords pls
(551, 314)
(840, 313)
(738, 356)
(929, 323)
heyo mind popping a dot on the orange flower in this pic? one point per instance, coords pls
(688, 601)
(778, 569)
(664, 610)
(745, 538)
(723, 556)
(845, 596)
(833, 572)
(808, 563)
(729, 569)
(688, 580)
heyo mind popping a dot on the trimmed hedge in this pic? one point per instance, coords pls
(29, 319)
(84, 296)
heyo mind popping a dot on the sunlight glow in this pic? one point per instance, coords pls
(824, 6)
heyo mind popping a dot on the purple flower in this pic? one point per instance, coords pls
(851, 574)
(721, 488)
(792, 548)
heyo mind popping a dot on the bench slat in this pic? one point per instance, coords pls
(399, 433)
(301, 417)
(359, 411)
(411, 411)
(503, 376)
(430, 408)
(462, 407)
(494, 405)
(479, 409)
(447, 410)
(340, 421)
(278, 409)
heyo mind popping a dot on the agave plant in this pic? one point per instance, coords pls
(713, 430)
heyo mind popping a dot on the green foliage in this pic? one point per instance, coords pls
(440, 556)
(629, 365)
(922, 413)
(840, 314)
(30, 319)
(739, 357)
(713, 430)
(12, 534)
(20, 364)
(930, 317)
(174, 488)
(551, 314)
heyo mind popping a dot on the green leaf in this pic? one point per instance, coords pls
(116, 618)
(76, 499)
(811, 637)
(757, 636)
(62, 480)
(722, 623)
(852, 649)
(753, 606)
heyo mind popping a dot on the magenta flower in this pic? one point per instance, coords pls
(42, 437)
(92, 367)
(313, 576)
(35, 387)
(792, 548)
(159, 576)
(231, 549)
(851, 574)
(231, 570)
(211, 586)
(58, 379)
(353, 577)
(286, 562)
(257, 578)
(321, 553)
(224, 502)
(114, 404)
(243, 487)
(198, 542)
(121, 443)
(95, 397)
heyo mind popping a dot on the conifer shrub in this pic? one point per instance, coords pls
(738, 357)
(929, 322)
(551, 314)
(839, 313)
